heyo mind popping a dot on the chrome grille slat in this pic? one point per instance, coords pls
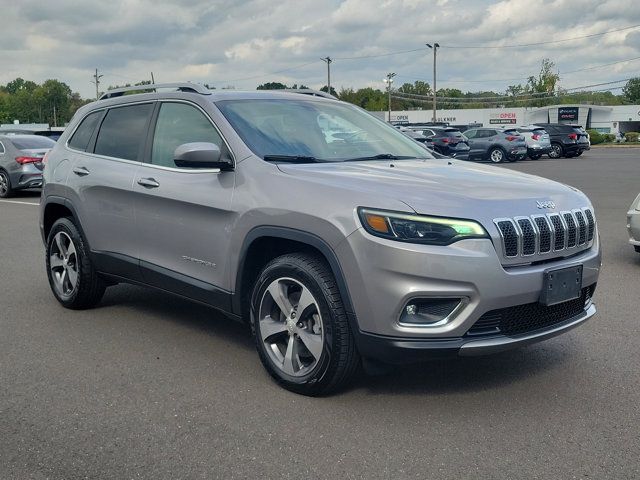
(544, 234)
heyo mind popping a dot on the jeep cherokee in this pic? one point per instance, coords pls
(333, 249)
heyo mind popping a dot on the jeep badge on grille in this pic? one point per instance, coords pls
(549, 204)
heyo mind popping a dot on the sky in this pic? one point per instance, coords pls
(243, 43)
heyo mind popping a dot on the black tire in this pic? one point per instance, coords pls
(6, 190)
(497, 155)
(339, 359)
(636, 248)
(556, 151)
(88, 288)
(578, 153)
(535, 156)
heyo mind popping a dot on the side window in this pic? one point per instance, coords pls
(490, 133)
(180, 123)
(122, 133)
(470, 134)
(82, 135)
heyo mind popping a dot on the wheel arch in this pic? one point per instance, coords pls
(263, 244)
(56, 208)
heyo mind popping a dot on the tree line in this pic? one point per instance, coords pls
(51, 102)
(54, 103)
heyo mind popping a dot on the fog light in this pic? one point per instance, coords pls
(428, 311)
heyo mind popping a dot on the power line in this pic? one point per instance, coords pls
(548, 42)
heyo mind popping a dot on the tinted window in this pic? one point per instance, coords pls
(179, 123)
(82, 135)
(122, 133)
(470, 133)
(27, 143)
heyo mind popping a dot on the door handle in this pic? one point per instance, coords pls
(148, 183)
(81, 171)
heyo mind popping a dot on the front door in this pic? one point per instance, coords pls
(183, 215)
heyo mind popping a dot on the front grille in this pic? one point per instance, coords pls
(542, 234)
(529, 317)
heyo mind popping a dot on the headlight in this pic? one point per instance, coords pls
(419, 228)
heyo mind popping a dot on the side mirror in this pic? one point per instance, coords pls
(200, 155)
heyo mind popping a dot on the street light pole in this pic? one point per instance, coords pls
(435, 50)
(328, 61)
(389, 80)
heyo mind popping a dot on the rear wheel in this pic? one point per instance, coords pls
(496, 155)
(72, 277)
(300, 327)
(556, 150)
(5, 185)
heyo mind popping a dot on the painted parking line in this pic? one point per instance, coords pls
(19, 202)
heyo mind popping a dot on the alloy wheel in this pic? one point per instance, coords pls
(291, 327)
(4, 184)
(496, 156)
(63, 262)
(556, 151)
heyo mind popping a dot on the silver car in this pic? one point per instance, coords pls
(21, 162)
(633, 224)
(333, 250)
(537, 139)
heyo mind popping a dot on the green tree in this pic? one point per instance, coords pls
(325, 89)
(272, 86)
(631, 90)
(547, 78)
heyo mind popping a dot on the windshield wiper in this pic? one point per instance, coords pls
(380, 156)
(291, 158)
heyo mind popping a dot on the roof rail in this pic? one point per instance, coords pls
(308, 91)
(181, 87)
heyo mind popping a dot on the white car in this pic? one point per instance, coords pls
(633, 224)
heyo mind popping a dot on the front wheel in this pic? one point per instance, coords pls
(5, 185)
(578, 153)
(556, 151)
(72, 277)
(496, 155)
(300, 326)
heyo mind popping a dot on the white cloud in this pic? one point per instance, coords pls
(239, 42)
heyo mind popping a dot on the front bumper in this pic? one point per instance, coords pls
(396, 350)
(385, 275)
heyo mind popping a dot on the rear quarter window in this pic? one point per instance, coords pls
(82, 135)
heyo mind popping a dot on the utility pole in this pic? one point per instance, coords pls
(328, 61)
(55, 117)
(152, 79)
(435, 49)
(389, 80)
(97, 82)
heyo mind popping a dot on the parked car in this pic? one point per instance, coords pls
(633, 224)
(496, 144)
(21, 162)
(566, 140)
(537, 139)
(448, 141)
(366, 247)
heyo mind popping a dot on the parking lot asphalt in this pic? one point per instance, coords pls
(151, 386)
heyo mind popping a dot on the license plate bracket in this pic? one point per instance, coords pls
(561, 285)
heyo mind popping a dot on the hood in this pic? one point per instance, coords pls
(445, 187)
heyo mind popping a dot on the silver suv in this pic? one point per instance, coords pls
(336, 250)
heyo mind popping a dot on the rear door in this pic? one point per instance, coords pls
(105, 153)
(183, 214)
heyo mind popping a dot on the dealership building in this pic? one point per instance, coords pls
(605, 119)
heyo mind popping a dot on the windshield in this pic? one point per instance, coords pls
(316, 131)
